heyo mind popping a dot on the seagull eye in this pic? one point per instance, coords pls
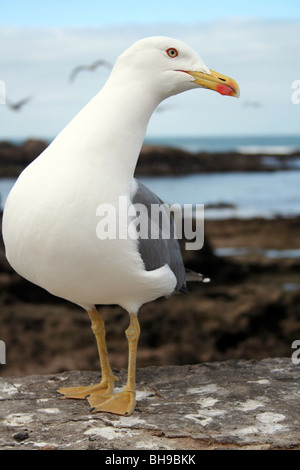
(172, 52)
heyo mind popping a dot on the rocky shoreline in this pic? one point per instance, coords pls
(158, 160)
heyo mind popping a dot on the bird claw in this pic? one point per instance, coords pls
(122, 403)
(103, 388)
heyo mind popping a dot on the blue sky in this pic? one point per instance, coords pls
(112, 12)
(255, 42)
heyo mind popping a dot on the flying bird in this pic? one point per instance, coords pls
(18, 105)
(50, 217)
(252, 104)
(89, 67)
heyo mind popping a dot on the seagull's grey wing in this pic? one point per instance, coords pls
(156, 252)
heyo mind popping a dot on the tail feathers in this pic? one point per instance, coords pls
(193, 276)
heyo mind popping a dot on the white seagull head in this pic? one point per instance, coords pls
(170, 67)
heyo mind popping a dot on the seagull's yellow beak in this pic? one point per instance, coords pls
(217, 82)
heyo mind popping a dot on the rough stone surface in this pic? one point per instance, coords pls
(220, 405)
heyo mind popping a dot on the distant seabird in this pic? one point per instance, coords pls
(89, 67)
(252, 104)
(16, 106)
(49, 223)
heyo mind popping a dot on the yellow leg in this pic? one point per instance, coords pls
(105, 387)
(122, 403)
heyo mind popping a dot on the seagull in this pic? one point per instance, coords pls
(19, 104)
(89, 67)
(50, 217)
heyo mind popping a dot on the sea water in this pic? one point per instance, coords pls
(242, 195)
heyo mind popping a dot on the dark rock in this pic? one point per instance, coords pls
(165, 161)
(21, 436)
(14, 158)
(156, 160)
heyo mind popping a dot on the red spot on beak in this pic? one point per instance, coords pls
(224, 90)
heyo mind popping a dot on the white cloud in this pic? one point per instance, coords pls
(262, 55)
